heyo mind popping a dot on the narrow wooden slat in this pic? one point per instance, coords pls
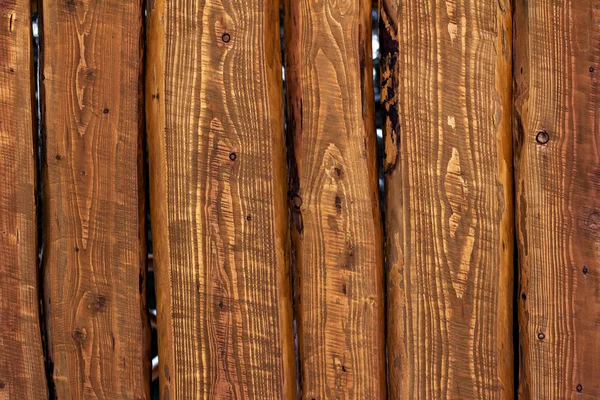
(446, 88)
(94, 253)
(21, 358)
(557, 54)
(218, 200)
(334, 200)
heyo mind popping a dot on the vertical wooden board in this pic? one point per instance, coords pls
(334, 202)
(218, 200)
(557, 54)
(94, 257)
(446, 90)
(21, 358)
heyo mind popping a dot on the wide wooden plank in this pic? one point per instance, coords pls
(218, 200)
(21, 358)
(94, 257)
(334, 202)
(557, 54)
(446, 90)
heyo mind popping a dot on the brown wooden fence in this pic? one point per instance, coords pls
(276, 275)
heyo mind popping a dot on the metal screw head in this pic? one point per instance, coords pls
(542, 137)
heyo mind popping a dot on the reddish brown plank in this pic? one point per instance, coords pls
(556, 121)
(21, 358)
(334, 200)
(94, 259)
(446, 90)
(218, 200)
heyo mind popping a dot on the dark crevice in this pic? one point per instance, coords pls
(515, 308)
(380, 168)
(292, 183)
(516, 128)
(148, 303)
(150, 281)
(40, 147)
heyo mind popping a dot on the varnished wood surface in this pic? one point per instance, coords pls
(446, 90)
(21, 359)
(94, 257)
(557, 53)
(334, 205)
(218, 200)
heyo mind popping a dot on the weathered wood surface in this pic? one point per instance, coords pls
(557, 53)
(218, 200)
(21, 359)
(94, 257)
(446, 90)
(334, 202)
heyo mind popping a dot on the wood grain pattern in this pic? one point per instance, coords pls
(95, 257)
(446, 90)
(21, 358)
(557, 54)
(218, 200)
(334, 202)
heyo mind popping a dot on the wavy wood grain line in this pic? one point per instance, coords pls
(446, 92)
(334, 200)
(557, 54)
(218, 200)
(94, 260)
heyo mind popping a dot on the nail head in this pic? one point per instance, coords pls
(542, 137)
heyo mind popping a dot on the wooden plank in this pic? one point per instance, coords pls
(22, 373)
(94, 265)
(557, 54)
(333, 189)
(218, 200)
(446, 88)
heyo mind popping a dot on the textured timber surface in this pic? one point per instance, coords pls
(218, 200)
(21, 359)
(446, 90)
(556, 72)
(94, 247)
(334, 203)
